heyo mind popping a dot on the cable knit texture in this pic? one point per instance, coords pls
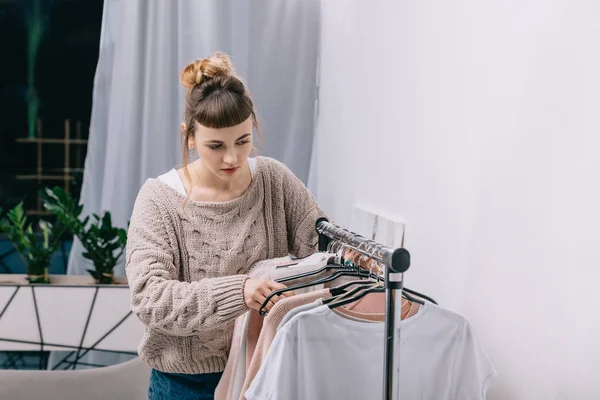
(187, 262)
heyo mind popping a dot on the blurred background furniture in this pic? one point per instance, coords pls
(128, 380)
(71, 314)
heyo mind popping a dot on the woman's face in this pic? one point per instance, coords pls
(224, 151)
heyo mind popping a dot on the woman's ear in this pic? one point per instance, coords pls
(190, 140)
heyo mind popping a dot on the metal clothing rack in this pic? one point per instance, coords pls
(396, 262)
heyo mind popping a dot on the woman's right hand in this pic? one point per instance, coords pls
(257, 290)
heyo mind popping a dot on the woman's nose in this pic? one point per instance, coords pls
(231, 158)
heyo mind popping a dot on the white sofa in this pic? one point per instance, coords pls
(125, 381)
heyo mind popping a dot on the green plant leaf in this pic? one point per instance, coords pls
(60, 203)
(35, 254)
(17, 217)
(122, 233)
(46, 228)
(103, 243)
(106, 220)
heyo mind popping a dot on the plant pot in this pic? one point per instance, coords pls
(37, 272)
(43, 278)
(106, 279)
(101, 276)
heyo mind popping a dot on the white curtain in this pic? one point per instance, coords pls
(478, 123)
(138, 100)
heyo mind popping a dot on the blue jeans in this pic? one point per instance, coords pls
(167, 386)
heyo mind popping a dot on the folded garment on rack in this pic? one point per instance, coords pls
(260, 340)
(232, 380)
(315, 352)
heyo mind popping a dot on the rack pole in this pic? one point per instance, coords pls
(396, 263)
(393, 315)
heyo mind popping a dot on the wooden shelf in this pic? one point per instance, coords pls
(63, 170)
(36, 212)
(45, 177)
(51, 141)
(62, 174)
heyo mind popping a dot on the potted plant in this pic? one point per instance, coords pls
(35, 253)
(103, 243)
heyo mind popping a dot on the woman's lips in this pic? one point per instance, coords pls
(230, 170)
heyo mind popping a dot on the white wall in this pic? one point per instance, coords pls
(478, 122)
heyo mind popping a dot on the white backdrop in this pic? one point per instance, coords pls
(478, 123)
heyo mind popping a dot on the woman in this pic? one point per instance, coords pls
(195, 232)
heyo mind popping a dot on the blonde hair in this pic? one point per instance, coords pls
(216, 98)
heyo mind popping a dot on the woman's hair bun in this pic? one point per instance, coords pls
(217, 64)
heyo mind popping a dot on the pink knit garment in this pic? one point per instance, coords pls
(260, 270)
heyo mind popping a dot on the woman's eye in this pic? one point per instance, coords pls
(218, 146)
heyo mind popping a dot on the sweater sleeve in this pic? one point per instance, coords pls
(302, 212)
(159, 299)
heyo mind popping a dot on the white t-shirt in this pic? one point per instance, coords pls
(292, 313)
(173, 179)
(319, 354)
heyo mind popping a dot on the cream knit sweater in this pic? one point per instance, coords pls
(186, 262)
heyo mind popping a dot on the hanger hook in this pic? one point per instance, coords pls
(382, 268)
(339, 252)
(378, 247)
(371, 264)
(346, 236)
(372, 245)
(330, 245)
(335, 245)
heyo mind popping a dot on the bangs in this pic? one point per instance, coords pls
(223, 109)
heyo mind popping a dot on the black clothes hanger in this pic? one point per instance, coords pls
(329, 267)
(343, 272)
(339, 296)
(339, 290)
(406, 292)
(361, 293)
(407, 296)
(377, 289)
(420, 295)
